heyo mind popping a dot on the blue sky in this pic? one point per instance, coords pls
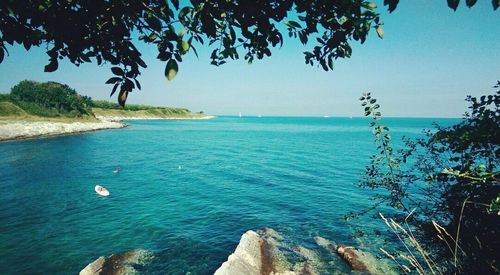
(428, 61)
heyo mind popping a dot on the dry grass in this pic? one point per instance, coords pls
(31, 118)
(160, 113)
(416, 257)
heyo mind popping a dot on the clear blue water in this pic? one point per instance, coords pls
(186, 192)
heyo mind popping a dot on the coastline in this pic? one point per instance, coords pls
(122, 118)
(20, 129)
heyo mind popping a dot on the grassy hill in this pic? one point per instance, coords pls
(161, 112)
(10, 109)
(32, 101)
(51, 100)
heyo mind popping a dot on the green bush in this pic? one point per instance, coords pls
(105, 104)
(50, 99)
(4, 97)
(445, 185)
(138, 107)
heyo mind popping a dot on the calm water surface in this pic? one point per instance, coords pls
(187, 190)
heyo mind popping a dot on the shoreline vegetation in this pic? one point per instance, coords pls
(34, 110)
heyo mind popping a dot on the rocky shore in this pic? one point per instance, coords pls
(10, 130)
(19, 129)
(118, 264)
(265, 252)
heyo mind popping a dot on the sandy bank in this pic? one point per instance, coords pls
(30, 129)
(121, 118)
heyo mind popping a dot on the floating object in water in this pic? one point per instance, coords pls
(180, 167)
(117, 170)
(101, 190)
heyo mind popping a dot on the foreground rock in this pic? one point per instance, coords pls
(266, 253)
(261, 253)
(358, 260)
(256, 254)
(25, 129)
(310, 264)
(354, 257)
(118, 264)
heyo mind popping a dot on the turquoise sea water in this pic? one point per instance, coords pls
(187, 190)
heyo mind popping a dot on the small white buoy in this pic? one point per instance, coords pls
(101, 191)
(117, 170)
(180, 167)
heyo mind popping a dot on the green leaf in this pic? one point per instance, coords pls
(1, 55)
(117, 71)
(114, 89)
(175, 3)
(141, 63)
(130, 73)
(470, 3)
(184, 11)
(208, 24)
(151, 37)
(330, 63)
(322, 62)
(154, 23)
(27, 45)
(137, 83)
(128, 85)
(453, 4)
(303, 37)
(195, 52)
(392, 4)
(171, 69)
(292, 24)
(52, 66)
(380, 32)
(184, 46)
(495, 3)
(122, 97)
(113, 80)
(371, 5)
(181, 32)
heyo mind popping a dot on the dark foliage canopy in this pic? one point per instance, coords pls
(104, 31)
